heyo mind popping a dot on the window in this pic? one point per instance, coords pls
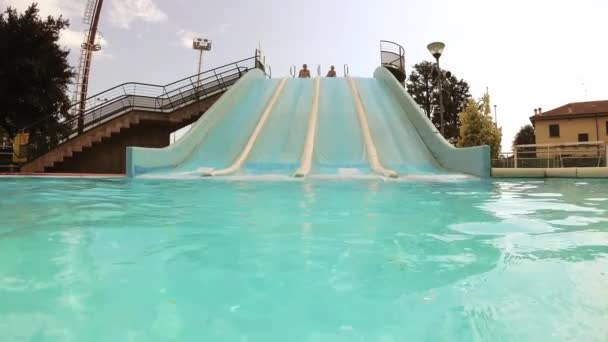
(583, 137)
(553, 131)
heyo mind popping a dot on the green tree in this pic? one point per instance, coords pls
(34, 74)
(525, 136)
(477, 127)
(422, 85)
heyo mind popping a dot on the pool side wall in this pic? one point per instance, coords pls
(567, 172)
(470, 160)
(141, 160)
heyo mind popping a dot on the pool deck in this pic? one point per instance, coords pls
(567, 172)
(62, 175)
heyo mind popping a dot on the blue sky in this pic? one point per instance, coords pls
(528, 53)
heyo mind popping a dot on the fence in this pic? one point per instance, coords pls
(576, 154)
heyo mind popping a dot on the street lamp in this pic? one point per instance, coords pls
(436, 49)
(200, 45)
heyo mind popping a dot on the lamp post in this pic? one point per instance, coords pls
(200, 45)
(436, 49)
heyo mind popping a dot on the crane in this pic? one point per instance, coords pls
(92, 12)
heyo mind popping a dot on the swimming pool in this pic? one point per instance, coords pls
(314, 260)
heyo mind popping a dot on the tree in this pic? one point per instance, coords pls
(525, 136)
(35, 75)
(477, 127)
(422, 85)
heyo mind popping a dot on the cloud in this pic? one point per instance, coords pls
(67, 8)
(73, 39)
(124, 12)
(69, 38)
(186, 37)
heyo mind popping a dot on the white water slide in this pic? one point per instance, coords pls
(307, 127)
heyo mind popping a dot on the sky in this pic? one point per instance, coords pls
(527, 53)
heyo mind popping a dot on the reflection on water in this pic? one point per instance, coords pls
(303, 260)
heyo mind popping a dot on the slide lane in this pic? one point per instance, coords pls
(370, 146)
(311, 133)
(238, 162)
(225, 140)
(178, 157)
(339, 147)
(279, 147)
(397, 141)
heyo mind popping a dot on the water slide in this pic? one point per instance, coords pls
(312, 127)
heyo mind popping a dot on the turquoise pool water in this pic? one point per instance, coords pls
(319, 260)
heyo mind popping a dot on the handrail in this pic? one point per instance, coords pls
(346, 70)
(319, 70)
(254, 135)
(372, 153)
(117, 100)
(383, 44)
(292, 71)
(123, 87)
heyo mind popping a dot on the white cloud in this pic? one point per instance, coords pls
(186, 37)
(67, 8)
(73, 39)
(69, 38)
(124, 12)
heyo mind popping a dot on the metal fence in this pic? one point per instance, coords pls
(6, 155)
(576, 154)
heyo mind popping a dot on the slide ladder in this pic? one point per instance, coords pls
(309, 143)
(236, 165)
(370, 147)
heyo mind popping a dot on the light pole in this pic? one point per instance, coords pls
(436, 49)
(200, 45)
(495, 117)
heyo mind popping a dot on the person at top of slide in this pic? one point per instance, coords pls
(304, 72)
(331, 72)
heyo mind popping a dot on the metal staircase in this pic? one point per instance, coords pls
(125, 106)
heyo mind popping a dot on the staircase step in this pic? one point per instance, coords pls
(117, 126)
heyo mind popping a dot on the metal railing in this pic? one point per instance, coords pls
(119, 100)
(392, 55)
(575, 154)
(293, 70)
(6, 155)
